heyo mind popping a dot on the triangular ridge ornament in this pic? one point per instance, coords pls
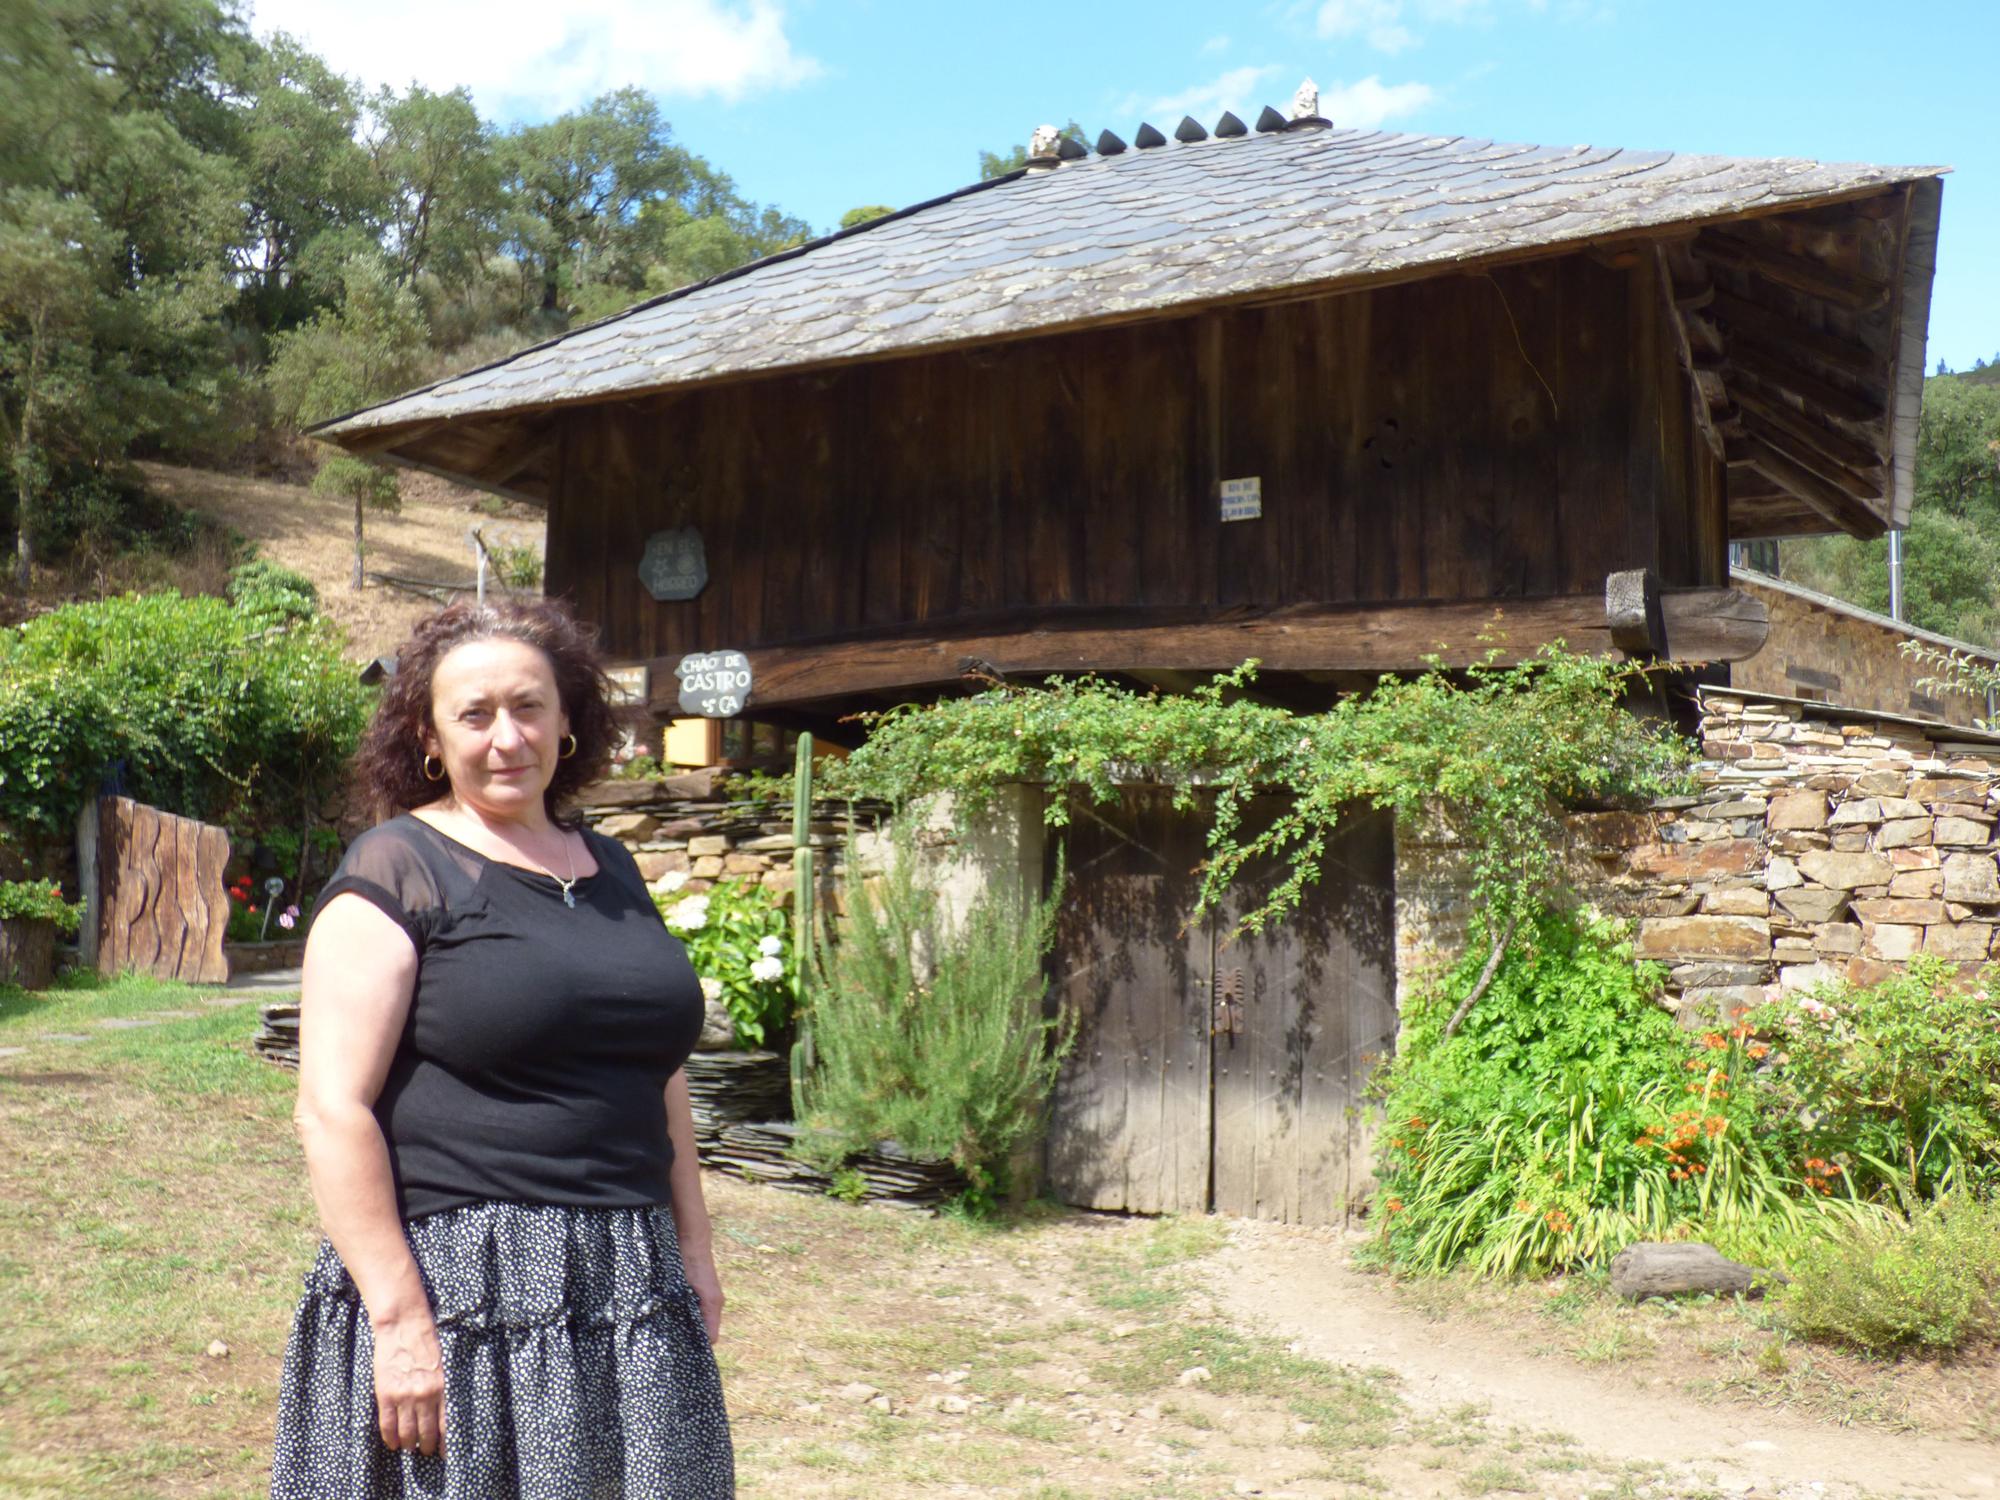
(1109, 144)
(1189, 131)
(1270, 120)
(1146, 138)
(1069, 148)
(1229, 127)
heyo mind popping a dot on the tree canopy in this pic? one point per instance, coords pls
(183, 205)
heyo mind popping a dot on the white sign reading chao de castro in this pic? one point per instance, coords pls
(714, 684)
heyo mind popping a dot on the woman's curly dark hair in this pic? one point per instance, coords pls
(388, 766)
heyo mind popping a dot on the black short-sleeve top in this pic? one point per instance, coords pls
(534, 1062)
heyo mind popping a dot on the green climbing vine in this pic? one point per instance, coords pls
(1493, 752)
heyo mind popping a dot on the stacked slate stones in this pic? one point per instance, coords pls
(1823, 845)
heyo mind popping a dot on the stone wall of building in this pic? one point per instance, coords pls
(1821, 845)
(688, 823)
(1830, 651)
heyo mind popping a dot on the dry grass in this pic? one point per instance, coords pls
(314, 535)
(151, 1200)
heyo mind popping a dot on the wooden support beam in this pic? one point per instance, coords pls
(1365, 638)
(1632, 608)
(370, 444)
(1834, 400)
(1708, 383)
(1797, 272)
(1860, 486)
(1739, 315)
(515, 453)
(1833, 503)
(1837, 446)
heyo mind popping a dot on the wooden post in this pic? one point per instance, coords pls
(803, 886)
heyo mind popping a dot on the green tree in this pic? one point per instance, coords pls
(47, 300)
(115, 230)
(576, 185)
(1958, 447)
(864, 214)
(306, 179)
(366, 349)
(440, 178)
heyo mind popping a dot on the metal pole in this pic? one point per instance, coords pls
(1896, 575)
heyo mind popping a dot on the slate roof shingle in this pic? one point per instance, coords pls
(1144, 230)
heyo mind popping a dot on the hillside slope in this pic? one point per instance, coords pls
(314, 535)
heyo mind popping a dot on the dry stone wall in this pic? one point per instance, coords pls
(1815, 850)
(1822, 844)
(688, 823)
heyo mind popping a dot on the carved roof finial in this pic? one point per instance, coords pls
(1044, 141)
(1305, 103)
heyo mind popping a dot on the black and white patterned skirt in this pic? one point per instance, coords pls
(576, 1367)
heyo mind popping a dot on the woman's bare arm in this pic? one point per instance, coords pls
(360, 973)
(691, 1223)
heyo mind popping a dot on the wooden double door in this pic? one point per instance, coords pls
(1211, 1072)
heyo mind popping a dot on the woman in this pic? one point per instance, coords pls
(517, 1292)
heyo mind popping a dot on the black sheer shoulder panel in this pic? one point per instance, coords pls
(408, 871)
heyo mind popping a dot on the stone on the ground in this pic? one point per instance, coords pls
(858, 1392)
(1656, 1270)
(1193, 1375)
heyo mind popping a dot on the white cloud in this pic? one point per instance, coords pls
(1215, 44)
(1237, 89)
(1364, 105)
(527, 57)
(1383, 24)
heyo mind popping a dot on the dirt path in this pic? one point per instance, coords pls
(1297, 1285)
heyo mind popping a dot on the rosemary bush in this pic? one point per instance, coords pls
(930, 1032)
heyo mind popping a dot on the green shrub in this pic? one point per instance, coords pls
(270, 592)
(208, 709)
(39, 901)
(739, 939)
(1930, 1284)
(1894, 1087)
(927, 1032)
(1570, 1116)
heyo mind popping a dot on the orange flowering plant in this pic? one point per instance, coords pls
(1573, 1115)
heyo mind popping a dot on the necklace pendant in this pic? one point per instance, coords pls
(569, 898)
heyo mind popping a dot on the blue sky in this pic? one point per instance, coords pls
(820, 105)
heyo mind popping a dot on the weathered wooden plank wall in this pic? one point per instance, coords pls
(1515, 434)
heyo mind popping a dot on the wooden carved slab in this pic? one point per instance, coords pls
(153, 894)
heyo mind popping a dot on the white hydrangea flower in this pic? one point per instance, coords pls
(670, 882)
(765, 970)
(690, 914)
(770, 945)
(711, 989)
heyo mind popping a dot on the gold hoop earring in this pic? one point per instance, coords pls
(566, 754)
(429, 774)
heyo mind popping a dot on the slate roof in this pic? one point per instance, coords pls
(1145, 230)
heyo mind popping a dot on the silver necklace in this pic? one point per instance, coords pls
(568, 891)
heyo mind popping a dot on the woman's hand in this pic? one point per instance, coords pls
(409, 1384)
(708, 1288)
